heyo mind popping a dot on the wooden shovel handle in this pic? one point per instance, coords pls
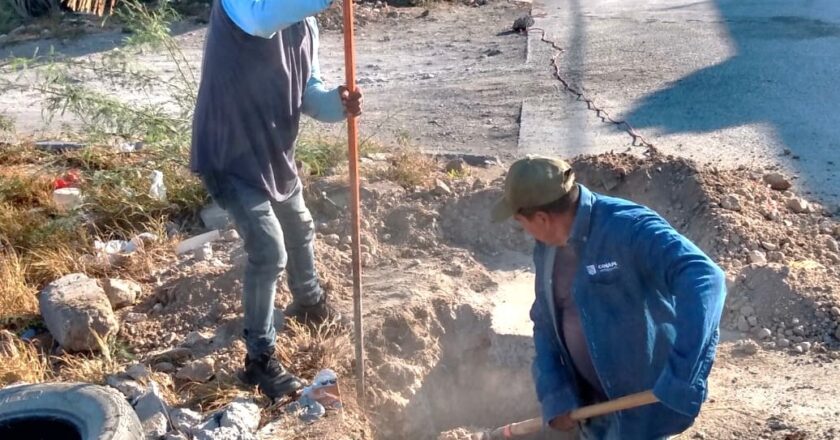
(535, 425)
(611, 406)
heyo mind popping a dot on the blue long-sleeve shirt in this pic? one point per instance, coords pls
(650, 304)
(264, 18)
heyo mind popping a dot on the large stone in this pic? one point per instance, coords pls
(199, 370)
(242, 414)
(184, 419)
(138, 372)
(152, 412)
(763, 334)
(150, 402)
(456, 166)
(830, 243)
(155, 426)
(797, 205)
(777, 181)
(226, 433)
(121, 293)
(129, 388)
(214, 217)
(77, 313)
(730, 202)
(758, 257)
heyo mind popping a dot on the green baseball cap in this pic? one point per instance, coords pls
(531, 182)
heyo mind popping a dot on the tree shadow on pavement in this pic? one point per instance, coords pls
(784, 54)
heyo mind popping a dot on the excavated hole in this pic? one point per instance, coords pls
(481, 377)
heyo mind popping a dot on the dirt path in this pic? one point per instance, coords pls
(448, 80)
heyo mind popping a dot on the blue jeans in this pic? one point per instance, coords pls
(277, 236)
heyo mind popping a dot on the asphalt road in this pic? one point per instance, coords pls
(726, 82)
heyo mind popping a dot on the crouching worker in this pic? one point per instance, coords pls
(624, 304)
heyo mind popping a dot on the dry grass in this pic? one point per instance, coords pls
(411, 168)
(307, 351)
(92, 368)
(17, 297)
(21, 361)
(213, 395)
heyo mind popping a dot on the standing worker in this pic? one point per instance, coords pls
(260, 73)
(624, 304)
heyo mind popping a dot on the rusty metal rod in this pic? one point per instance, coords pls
(353, 158)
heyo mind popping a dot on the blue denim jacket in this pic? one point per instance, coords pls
(650, 304)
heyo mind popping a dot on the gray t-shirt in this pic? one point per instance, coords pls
(565, 266)
(249, 104)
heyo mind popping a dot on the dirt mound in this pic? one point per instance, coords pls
(431, 259)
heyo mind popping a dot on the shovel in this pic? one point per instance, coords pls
(535, 425)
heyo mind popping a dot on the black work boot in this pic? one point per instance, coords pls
(315, 314)
(268, 374)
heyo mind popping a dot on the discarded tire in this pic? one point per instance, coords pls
(67, 411)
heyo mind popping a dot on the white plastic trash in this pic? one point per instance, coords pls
(158, 190)
(67, 198)
(196, 242)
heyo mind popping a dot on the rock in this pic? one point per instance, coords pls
(155, 426)
(798, 349)
(763, 334)
(175, 435)
(769, 246)
(806, 346)
(777, 181)
(332, 240)
(799, 330)
(175, 355)
(837, 333)
(164, 367)
(204, 253)
(157, 308)
(193, 243)
(758, 257)
(797, 205)
(782, 343)
(196, 337)
(776, 256)
(129, 388)
(747, 311)
(135, 317)
(121, 293)
(522, 23)
(223, 434)
(743, 325)
(152, 412)
(731, 202)
(184, 419)
(441, 188)
(752, 320)
(746, 347)
(231, 235)
(830, 243)
(835, 312)
(242, 414)
(456, 166)
(77, 313)
(794, 322)
(214, 217)
(138, 372)
(199, 370)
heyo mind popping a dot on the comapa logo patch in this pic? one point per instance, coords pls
(593, 269)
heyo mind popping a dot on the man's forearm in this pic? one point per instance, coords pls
(263, 18)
